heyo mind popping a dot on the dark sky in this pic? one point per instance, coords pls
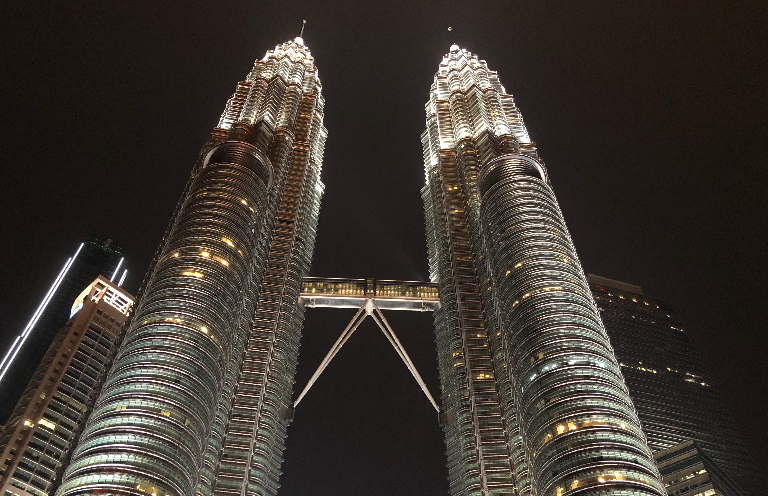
(651, 118)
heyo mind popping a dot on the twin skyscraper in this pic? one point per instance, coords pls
(533, 400)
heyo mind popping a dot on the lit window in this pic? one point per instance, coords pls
(47, 424)
(28, 423)
(228, 241)
(205, 254)
(560, 429)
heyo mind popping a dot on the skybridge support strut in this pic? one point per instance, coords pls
(369, 308)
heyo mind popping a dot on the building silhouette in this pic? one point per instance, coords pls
(37, 441)
(675, 398)
(192, 404)
(94, 257)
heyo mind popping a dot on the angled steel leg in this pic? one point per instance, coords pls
(351, 327)
(390, 334)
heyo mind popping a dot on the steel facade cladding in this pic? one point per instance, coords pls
(283, 92)
(153, 418)
(534, 395)
(193, 403)
(675, 398)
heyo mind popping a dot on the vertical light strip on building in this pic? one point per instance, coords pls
(116, 269)
(19, 342)
(122, 278)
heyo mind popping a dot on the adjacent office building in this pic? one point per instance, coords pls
(38, 439)
(533, 395)
(94, 257)
(688, 471)
(193, 402)
(674, 396)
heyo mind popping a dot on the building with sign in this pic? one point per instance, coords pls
(94, 257)
(40, 435)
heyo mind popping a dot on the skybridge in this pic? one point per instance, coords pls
(322, 292)
(370, 297)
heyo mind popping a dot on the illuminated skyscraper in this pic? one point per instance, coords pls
(38, 440)
(534, 399)
(95, 256)
(193, 402)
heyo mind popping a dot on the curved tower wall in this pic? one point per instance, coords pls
(580, 430)
(488, 345)
(153, 418)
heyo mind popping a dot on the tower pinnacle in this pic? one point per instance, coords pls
(300, 38)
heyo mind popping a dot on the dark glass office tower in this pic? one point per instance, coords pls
(670, 387)
(193, 402)
(533, 396)
(93, 258)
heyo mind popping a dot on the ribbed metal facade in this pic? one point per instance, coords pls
(192, 402)
(534, 396)
(283, 94)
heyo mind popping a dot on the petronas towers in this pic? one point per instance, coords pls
(199, 395)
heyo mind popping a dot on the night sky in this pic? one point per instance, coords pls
(651, 119)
